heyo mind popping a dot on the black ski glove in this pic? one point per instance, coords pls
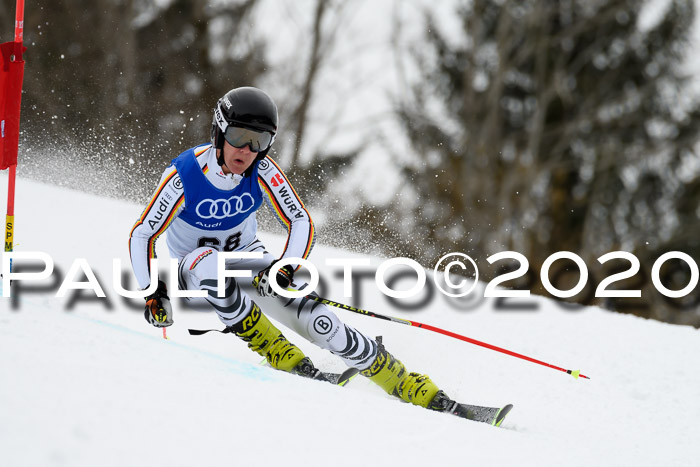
(158, 310)
(284, 279)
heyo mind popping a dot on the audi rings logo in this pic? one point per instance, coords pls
(223, 208)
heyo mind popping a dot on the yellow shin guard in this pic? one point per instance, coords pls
(264, 338)
(391, 375)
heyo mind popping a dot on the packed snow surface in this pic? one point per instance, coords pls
(87, 382)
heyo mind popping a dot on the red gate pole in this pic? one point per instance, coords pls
(11, 77)
(19, 21)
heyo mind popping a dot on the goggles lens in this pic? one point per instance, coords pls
(241, 137)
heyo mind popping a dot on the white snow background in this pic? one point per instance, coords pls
(93, 386)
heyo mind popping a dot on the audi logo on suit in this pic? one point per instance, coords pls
(223, 208)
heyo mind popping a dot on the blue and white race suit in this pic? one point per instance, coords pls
(205, 212)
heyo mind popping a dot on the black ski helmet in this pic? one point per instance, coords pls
(245, 107)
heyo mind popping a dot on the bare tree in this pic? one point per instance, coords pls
(315, 57)
(132, 78)
(552, 126)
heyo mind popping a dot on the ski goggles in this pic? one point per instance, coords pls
(241, 137)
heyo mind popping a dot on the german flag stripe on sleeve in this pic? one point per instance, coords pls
(153, 200)
(284, 216)
(205, 167)
(310, 241)
(301, 205)
(281, 216)
(166, 224)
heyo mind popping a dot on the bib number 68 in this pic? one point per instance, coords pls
(232, 242)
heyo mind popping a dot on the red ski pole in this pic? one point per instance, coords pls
(575, 374)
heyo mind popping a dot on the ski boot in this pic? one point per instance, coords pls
(391, 375)
(264, 338)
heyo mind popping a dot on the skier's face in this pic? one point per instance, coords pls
(237, 160)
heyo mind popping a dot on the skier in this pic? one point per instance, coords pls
(206, 200)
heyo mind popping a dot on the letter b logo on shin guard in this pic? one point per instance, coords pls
(322, 324)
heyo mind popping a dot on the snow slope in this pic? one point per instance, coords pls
(90, 383)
